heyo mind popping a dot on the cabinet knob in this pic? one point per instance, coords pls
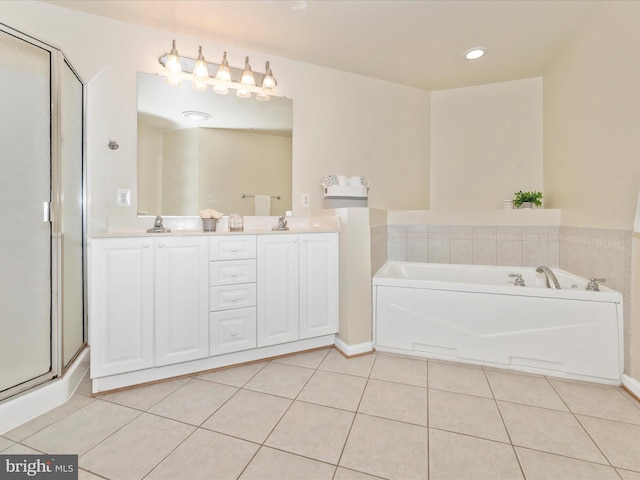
(146, 244)
(160, 244)
(234, 274)
(234, 249)
(234, 300)
(234, 333)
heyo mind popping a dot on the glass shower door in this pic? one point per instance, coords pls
(25, 190)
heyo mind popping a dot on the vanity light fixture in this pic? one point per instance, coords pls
(474, 53)
(197, 70)
(200, 73)
(172, 67)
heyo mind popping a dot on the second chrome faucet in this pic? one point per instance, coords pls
(552, 281)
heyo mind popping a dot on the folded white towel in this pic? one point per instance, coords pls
(263, 205)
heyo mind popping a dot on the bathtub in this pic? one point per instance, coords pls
(475, 314)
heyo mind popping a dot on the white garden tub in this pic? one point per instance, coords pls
(476, 314)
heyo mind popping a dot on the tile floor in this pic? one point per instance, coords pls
(319, 416)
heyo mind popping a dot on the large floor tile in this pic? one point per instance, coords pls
(138, 447)
(467, 414)
(412, 371)
(469, 379)
(19, 449)
(597, 401)
(549, 431)
(455, 456)
(628, 475)
(307, 359)
(336, 362)
(194, 402)
(547, 466)
(84, 475)
(386, 448)
(249, 415)
(235, 376)
(280, 379)
(334, 390)
(396, 401)
(32, 426)
(83, 429)
(620, 442)
(526, 389)
(313, 431)
(206, 455)
(271, 464)
(5, 443)
(346, 474)
(145, 397)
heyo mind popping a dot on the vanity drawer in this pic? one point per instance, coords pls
(232, 296)
(232, 272)
(232, 247)
(232, 331)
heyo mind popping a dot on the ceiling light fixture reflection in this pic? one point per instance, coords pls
(474, 53)
(196, 116)
(200, 73)
(172, 67)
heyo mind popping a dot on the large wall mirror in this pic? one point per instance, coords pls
(187, 165)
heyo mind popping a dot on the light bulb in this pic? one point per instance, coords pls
(268, 82)
(221, 89)
(262, 97)
(172, 67)
(243, 93)
(200, 73)
(223, 70)
(247, 74)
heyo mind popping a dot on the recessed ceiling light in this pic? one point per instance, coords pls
(196, 116)
(474, 53)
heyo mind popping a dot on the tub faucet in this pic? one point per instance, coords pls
(552, 281)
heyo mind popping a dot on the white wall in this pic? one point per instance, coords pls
(486, 144)
(342, 123)
(591, 120)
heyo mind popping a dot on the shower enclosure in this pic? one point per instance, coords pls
(42, 204)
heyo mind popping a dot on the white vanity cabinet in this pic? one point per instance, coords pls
(120, 305)
(232, 294)
(297, 287)
(148, 302)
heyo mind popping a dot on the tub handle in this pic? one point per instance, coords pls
(593, 286)
(519, 282)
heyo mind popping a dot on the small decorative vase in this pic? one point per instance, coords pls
(209, 224)
(526, 205)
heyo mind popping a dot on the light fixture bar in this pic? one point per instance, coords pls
(188, 64)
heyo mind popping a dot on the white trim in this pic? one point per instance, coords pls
(21, 409)
(350, 350)
(632, 384)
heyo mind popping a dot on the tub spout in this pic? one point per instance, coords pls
(552, 281)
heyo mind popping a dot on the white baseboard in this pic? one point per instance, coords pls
(351, 350)
(632, 384)
(16, 411)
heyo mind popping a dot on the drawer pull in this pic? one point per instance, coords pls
(234, 249)
(234, 300)
(234, 333)
(234, 274)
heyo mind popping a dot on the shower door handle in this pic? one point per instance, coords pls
(46, 211)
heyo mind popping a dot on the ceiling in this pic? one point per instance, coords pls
(420, 43)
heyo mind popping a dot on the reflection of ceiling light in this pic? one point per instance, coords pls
(224, 73)
(196, 116)
(247, 75)
(200, 73)
(474, 53)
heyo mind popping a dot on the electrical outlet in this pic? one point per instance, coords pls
(305, 200)
(123, 197)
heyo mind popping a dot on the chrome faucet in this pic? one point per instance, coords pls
(282, 225)
(158, 227)
(552, 281)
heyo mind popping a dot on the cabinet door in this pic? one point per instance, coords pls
(120, 305)
(182, 299)
(318, 284)
(277, 285)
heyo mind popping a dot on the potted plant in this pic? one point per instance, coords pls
(527, 199)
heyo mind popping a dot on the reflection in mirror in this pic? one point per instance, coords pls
(187, 165)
